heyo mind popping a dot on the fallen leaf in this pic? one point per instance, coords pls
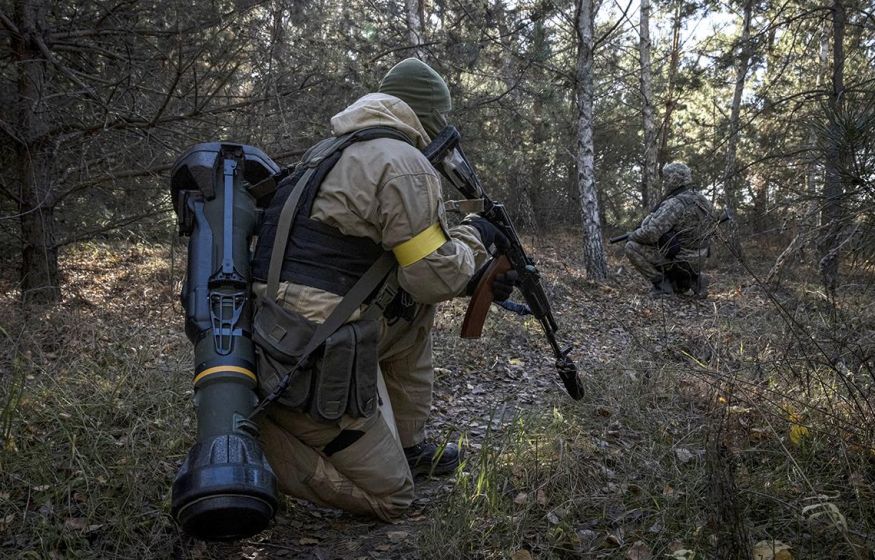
(798, 433)
(521, 498)
(683, 455)
(823, 516)
(307, 541)
(76, 523)
(770, 550)
(397, 536)
(639, 551)
(521, 555)
(683, 554)
(587, 536)
(552, 518)
(541, 498)
(6, 521)
(615, 538)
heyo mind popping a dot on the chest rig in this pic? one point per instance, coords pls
(314, 253)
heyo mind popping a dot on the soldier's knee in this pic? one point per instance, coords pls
(631, 249)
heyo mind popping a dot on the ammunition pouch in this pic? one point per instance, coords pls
(340, 379)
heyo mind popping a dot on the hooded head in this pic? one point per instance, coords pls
(676, 175)
(418, 85)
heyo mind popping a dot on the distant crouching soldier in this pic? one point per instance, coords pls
(670, 246)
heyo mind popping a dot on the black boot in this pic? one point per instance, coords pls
(662, 287)
(432, 459)
(700, 288)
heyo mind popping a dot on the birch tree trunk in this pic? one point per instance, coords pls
(730, 174)
(648, 175)
(831, 214)
(413, 12)
(593, 245)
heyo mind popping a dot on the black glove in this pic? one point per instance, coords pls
(502, 286)
(489, 234)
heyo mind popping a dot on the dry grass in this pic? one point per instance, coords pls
(95, 416)
(744, 420)
(95, 411)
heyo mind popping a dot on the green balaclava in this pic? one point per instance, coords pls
(418, 85)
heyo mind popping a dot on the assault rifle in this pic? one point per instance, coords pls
(447, 156)
(724, 217)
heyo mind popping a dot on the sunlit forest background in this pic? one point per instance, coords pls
(709, 428)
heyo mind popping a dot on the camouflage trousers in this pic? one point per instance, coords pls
(651, 263)
(370, 475)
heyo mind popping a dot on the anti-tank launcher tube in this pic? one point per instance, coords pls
(225, 489)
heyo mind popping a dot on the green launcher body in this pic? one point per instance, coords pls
(225, 489)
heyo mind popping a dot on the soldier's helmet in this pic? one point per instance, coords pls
(675, 175)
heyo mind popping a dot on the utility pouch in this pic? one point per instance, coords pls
(341, 380)
(363, 386)
(280, 337)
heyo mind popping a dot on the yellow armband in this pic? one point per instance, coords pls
(420, 246)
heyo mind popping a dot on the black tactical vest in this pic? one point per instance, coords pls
(317, 254)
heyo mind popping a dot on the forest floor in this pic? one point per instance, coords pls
(743, 418)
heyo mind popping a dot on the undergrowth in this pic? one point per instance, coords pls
(96, 412)
(743, 433)
(746, 418)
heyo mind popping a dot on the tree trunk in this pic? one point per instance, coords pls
(812, 175)
(730, 174)
(664, 151)
(831, 214)
(413, 12)
(593, 245)
(730, 179)
(539, 183)
(810, 220)
(649, 171)
(39, 253)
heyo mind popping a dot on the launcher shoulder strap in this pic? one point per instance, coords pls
(268, 186)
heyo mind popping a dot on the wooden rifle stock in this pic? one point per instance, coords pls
(481, 300)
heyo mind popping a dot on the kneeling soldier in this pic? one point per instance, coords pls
(670, 246)
(329, 437)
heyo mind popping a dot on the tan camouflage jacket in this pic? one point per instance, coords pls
(387, 191)
(689, 215)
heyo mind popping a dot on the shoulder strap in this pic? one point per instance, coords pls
(320, 153)
(281, 238)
